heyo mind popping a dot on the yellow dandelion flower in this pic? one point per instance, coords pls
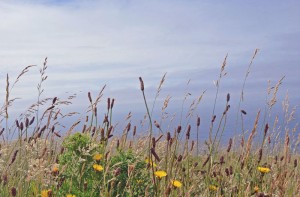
(98, 167)
(263, 170)
(55, 170)
(70, 195)
(150, 162)
(98, 157)
(213, 188)
(176, 183)
(160, 173)
(45, 193)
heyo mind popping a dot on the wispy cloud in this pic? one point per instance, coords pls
(92, 43)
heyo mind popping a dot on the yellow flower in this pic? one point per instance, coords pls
(263, 170)
(55, 170)
(45, 193)
(213, 188)
(70, 195)
(98, 157)
(176, 183)
(256, 189)
(98, 167)
(150, 162)
(160, 173)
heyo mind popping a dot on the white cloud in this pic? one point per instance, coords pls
(98, 42)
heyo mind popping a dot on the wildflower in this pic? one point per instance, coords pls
(160, 174)
(176, 183)
(55, 170)
(150, 162)
(213, 188)
(46, 193)
(263, 170)
(256, 189)
(97, 157)
(98, 167)
(70, 195)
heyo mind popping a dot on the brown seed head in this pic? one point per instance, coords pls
(26, 122)
(244, 112)
(266, 130)
(17, 123)
(153, 142)
(192, 147)
(229, 145)
(118, 143)
(205, 162)
(31, 121)
(222, 160)
(141, 83)
(213, 118)
(156, 124)
(227, 171)
(168, 136)
(54, 100)
(198, 121)
(188, 132)
(112, 103)
(117, 172)
(179, 159)
(178, 129)
(14, 157)
(260, 155)
(90, 97)
(95, 111)
(21, 126)
(134, 130)
(128, 127)
(13, 191)
(1, 132)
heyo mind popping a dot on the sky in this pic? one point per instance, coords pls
(90, 44)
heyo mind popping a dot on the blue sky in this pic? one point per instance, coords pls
(92, 43)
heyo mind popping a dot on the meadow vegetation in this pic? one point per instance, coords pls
(89, 159)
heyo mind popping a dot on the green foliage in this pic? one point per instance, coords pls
(130, 174)
(77, 175)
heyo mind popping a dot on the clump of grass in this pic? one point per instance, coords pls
(39, 156)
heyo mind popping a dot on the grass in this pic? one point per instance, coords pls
(37, 160)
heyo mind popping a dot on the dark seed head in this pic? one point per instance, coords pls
(17, 123)
(178, 129)
(54, 100)
(112, 103)
(13, 191)
(198, 121)
(90, 97)
(31, 121)
(243, 112)
(141, 83)
(26, 122)
(213, 118)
